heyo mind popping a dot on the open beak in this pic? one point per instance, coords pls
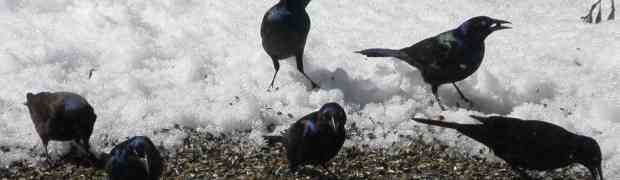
(145, 162)
(499, 25)
(597, 173)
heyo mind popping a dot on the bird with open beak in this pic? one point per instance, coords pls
(136, 158)
(315, 138)
(447, 57)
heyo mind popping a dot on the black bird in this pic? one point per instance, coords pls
(62, 116)
(284, 31)
(448, 57)
(315, 138)
(136, 158)
(588, 17)
(530, 144)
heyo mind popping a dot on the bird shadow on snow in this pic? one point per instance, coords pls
(486, 92)
(355, 90)
(491, 96)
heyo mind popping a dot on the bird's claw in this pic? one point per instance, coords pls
(272, 89)
(315, 86)
(587, 19)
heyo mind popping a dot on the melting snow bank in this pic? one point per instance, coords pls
(200, 64)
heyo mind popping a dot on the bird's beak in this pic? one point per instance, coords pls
(498, 25)
(600, 173)
(597, 173)
(333, 124)
(145, 162)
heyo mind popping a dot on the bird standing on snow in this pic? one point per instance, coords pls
(530, 144)
(588, 18)
(136, 158)
(315, 138)
(284, 31)
(62, 116)
(448, 57)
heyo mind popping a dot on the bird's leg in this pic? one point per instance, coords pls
(598, 15)
(276, 66)
(90, 73)
(86, 147)
(434, 90)
(612, 14)
(588, 17)
(47, 155)
(300, 67)
(471, 104)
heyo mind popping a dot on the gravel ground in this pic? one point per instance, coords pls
(206, 156)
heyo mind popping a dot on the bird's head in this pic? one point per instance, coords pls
(137, 147)
(334, 115)
(34, 98)
(30, 99)
(37, 105)
(295, 4)
(480, 27)
(589, 154)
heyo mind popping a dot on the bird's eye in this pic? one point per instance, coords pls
(484, 23)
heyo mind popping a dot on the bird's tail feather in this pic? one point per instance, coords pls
(272, 140)
(381, 52)
(438, 123)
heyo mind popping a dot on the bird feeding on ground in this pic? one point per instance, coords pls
(315, 138)
(530, 144)
(62, 116)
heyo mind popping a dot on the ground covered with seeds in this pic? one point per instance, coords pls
(207, 156)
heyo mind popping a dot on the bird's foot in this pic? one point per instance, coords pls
(272, 89)
(587, 18)
(432, 103)
(315, 86)
(49, 164)
(470, 107)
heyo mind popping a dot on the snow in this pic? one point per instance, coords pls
(200, 64)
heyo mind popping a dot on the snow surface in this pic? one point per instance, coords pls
(200, 64)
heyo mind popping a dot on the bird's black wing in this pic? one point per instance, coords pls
(434, 53)
(297, 141)
(528, 142)
(58, 124)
